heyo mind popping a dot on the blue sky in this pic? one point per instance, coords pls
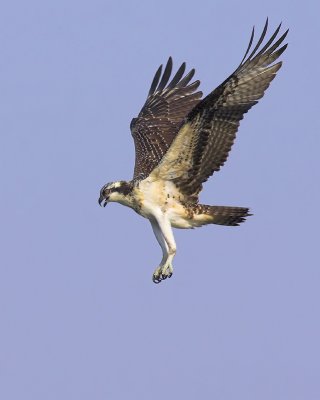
(80, 316)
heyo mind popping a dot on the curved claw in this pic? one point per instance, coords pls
(156, 278)
(160, 274)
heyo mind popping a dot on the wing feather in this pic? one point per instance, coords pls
(159, 120)
(205, 138)
(178, 76)
(165, 76)
(155, 81)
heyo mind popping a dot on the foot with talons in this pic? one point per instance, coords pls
(161, 273)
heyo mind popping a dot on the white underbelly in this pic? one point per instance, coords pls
(181, 223)
(163, 199)
(178, 218)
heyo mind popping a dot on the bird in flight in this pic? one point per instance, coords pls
(181, 140)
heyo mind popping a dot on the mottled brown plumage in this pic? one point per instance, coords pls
(219, 215)
(160, 118)
(204, 140)
(181, 140)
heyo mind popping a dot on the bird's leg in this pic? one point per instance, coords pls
(163, 232)
(157, 275)
(161, 240)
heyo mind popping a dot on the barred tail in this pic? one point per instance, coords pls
(220, 215)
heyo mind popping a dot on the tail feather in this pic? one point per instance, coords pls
(221, 215)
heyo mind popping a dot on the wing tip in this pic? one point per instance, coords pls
(269, 45)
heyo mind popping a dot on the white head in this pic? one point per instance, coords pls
(115, 191)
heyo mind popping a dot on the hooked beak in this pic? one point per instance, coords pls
(103, 201)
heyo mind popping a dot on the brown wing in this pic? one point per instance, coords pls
(205, 139)
(161, 116)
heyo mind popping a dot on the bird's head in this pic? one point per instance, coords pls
(115, 191)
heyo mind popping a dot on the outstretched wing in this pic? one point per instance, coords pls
(205, 139)
(161, 116)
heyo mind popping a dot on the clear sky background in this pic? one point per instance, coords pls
(80, 317)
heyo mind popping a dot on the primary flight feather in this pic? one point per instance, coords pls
(181, 140)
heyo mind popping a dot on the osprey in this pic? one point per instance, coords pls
(181, 140)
